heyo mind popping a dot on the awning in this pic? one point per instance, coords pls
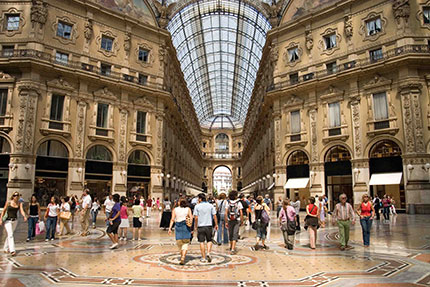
(386, 178)
(297, 182)
(271, 186)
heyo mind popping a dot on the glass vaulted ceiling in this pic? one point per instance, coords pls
(219, 44)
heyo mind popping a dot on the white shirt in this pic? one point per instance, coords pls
(181, 213)
(53, 210)
(95, 206)
(108, 204)
(86, 201)
(296, 205)
(65, 206)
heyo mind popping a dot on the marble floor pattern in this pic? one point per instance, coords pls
(399, 256)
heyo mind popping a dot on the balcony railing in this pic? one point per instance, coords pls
(46, 57)
(222, 155)
(359, 63)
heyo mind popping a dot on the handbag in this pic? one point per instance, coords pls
(40, 227)
(265, 218)
(65, 215)
(311, 220)
(254, 225)
(188, 221)
(4, 218)
(289, 226)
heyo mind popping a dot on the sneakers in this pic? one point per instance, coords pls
(46, 240)
(52, 239)
(209, 258)
(203, 260)
(28, 239)
(234, 252)
(114, 246)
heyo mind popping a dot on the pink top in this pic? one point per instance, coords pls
(291, 213)
(123, 212)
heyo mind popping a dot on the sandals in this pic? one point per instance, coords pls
(182, 261)
(13, 253)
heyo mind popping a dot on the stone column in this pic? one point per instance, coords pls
(280, 168)
(157, 183)
(280, 180)
(119, 172)
(156, 168)
(316, 179)
(22, 162)
(417, 185)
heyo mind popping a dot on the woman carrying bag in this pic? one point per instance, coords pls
(312, 221)
(287, 218)
(262, 217)
(34, 212)
(65, 215)
(182, 218)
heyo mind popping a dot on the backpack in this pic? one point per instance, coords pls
(233, 210)
(245, 206)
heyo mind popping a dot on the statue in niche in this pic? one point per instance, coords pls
(309, 40)
(401, 11)
(127, 42)
(164, 12)
(39, 12)
(348, 27)
(273, 11)
(88, 31)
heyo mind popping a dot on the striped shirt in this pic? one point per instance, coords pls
(344, 212)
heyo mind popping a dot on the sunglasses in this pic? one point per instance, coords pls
(16, 194)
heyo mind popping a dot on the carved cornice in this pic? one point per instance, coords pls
(105, 94)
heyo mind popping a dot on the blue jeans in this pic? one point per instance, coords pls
(222, 231)
(94, 216)
(107, 216)
(32, 227)
(386, 212)
(366, 226)
(51, 227)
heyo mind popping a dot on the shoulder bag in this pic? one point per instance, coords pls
(311, 220)
(289, 226)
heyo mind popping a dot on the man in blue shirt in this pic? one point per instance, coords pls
(204, 213)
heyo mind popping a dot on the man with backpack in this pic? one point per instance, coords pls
(233, 219)
(245, 215)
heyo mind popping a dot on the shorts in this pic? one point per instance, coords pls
(233, 230)
(136, 222)
(204, 233)
(183, 244)
(262, 231)
(113, 228)
(124, 223)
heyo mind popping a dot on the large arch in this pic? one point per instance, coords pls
(145, 150)
(138, 173)
(99, 170)
(328, 147)
(66, 144)
(372, 142)
(5, 150)
(222, 179)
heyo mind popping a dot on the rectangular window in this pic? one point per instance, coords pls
(143, 55)
(141, 123)
(105, 69)
(102, 115)
(330, 41)
(376, 55)
(143, 79)
(295, 122)
(293, 54)
(107, 43)
(57, 103)
(64, 30)
(331, 68)
(426, 15)
(7, 51)
(204, 144)
(380, 106)
(294, 78)
(62, 58)
(373, 26)
(334, 114)
(12, 23)
(3, 102)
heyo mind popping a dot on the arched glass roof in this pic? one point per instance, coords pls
(219, 44)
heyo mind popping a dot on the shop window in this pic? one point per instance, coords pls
(298, 157)
(105, 69)
(293, 54)
(141, 126)
(143, 55)
(3, 105)
(334, 119)
(338, 153)
(64, 30)
(56, 115)
(12, 22)
(426, 15)
(100, 153)
(4, 146)
(7, 51)
(330, 41)
(380, 111)
(53, 148)
(107, 43)
(62, 58)
(102, 119)
(376, 55)
(331, 68)
(385, 148)
(139, 157)
(295, 126)
(143, 79)
(373, 26)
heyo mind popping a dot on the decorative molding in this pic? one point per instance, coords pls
(287, 61)
(356, 126)
(309, 40)
(61, 84)
(88, 29)
(105, 94)
(313, 113)
(293, 102)
(127, 42)
(151, 57)
(377, 83)
(115, 46)
(363, 28)
(321, 44)
(6, 78)
(74, 33)
(122, 145)
(80, 129)
(332, 94)
(348, 29)
(401, 11)
(3, 23)
(39, 12)
(144, 103)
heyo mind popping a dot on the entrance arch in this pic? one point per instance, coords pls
(338, 174)
(52, 165)
(385, 161)
(5, 150)
(138, 174)
(222, 179)
(298, 176)
(98, 171)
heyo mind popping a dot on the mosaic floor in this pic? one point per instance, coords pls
(399, 256)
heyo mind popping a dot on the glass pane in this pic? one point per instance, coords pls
(57, 104)
(102, 113)
(3, 101)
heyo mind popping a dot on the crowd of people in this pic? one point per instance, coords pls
(220, 220)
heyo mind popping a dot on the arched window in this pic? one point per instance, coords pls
(298, 157)
(385, 148)
(222, 143)
(99, 152)
(53, 148)
(139, 157)
(4, 146)
(337, 153)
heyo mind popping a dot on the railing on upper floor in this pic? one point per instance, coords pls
(350, 65)
(222, 155)
(132, 77)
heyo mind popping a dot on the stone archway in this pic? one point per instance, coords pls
(222, 180)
